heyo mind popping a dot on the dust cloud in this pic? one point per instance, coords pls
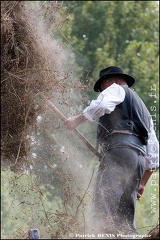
(60, 169)
(75, 164)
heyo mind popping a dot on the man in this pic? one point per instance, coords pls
(128, 145)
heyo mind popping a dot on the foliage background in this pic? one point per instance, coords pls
(53, 192)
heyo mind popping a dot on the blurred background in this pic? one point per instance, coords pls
(55, 49)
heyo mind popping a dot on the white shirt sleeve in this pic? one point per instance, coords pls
(152, 149)
(105, 103)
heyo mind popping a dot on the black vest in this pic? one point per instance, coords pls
(131, 115)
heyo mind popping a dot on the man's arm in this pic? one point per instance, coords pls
(143, 183)
(105, 103)
(152, 159)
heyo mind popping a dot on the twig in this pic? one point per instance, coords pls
(147, 227)
(19, 148)
(45, 212)
(84, 194)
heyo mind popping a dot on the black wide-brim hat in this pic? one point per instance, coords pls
(112, 72)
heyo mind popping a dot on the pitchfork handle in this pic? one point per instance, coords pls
(63, 118)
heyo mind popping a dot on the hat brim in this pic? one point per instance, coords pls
(130, 80)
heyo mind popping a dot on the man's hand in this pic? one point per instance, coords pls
(143, 183)
(73, 122)
(70, 123)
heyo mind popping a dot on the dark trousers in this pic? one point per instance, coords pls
(115, 192)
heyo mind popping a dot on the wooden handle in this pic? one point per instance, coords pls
(63, 118)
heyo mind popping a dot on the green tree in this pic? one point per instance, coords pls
(123, 33)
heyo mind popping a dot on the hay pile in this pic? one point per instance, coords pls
(28, 68)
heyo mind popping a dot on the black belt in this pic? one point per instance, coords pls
(123, 131)
(122, 139)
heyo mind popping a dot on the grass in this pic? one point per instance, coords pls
(147, 211)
